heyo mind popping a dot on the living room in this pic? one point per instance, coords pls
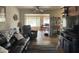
(38, 29)
(13, 16)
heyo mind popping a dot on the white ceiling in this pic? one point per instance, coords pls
(37, 15)
(41, 7)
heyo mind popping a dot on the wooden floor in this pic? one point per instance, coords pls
(44, 44)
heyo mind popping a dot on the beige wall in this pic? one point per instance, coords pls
(2, 26)
(10, 11)
(10, 23)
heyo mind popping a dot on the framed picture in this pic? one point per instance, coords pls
(15, 17)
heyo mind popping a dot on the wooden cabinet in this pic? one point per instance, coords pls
(72, 10)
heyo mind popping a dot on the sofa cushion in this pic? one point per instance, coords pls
(18, 36)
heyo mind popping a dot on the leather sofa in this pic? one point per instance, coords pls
(18, 46)
(14, 45)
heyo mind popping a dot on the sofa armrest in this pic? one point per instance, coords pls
(17, 49)
(3, 50)
(19, 45)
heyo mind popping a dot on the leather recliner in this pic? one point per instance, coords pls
(26, 31)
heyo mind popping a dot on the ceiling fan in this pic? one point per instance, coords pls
(38, 9)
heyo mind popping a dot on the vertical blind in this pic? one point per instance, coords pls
(33, 21)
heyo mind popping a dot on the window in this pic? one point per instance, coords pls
(36, 20)
(33, 21)
(2, 14)
(64, 22)
(46, 20)
(2, 19)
